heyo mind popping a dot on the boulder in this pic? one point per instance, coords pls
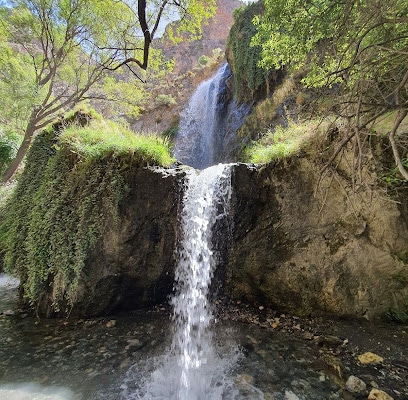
(132, 265)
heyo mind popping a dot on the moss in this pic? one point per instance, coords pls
(243, 58)
(69, 192)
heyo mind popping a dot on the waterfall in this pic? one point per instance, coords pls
(205, 202)
(192, 369)
(207, 128)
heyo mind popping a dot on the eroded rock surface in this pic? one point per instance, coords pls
(310, 247)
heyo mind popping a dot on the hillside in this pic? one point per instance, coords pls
(194, 62)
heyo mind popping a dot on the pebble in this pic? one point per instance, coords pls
(289, 395)
(111, 323)
(355, 385)
(376, 394)
(370, 358)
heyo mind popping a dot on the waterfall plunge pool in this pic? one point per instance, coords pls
(96, 359)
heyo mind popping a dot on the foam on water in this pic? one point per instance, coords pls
(8, 281)
(33, 391)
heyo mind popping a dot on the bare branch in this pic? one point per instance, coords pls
(391, 136)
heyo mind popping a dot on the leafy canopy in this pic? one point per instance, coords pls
(361, 46)
(62, 52)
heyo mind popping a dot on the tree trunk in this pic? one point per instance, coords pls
(28, 137)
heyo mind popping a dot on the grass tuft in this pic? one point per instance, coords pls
(104, 139)
(283, 142)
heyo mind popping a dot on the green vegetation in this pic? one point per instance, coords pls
(70, 190)
(166, 100)
(203, 61)
(9, 144)
(283, 142)
(243, 58)
(56, 54)
(356, 47)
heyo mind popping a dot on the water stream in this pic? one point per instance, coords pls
(191, 368)
(208, 126)
(206, 200)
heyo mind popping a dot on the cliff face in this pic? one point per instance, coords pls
(215, 33)
(300, 243)
(131, 266)
(311, 247)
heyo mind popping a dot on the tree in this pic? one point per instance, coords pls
(68, 46)
(360, 46)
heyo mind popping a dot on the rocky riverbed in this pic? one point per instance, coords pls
(281, 357)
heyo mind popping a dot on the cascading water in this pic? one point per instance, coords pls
(207, 127)
(205, 201)
(192, 369)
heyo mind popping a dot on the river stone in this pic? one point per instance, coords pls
(289, 395)
(377, 394)
(370, 358)
(355, 385)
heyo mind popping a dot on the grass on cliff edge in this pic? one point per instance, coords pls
(103, 138)
(279, 143)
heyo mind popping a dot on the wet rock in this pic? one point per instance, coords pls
(370, 358)
(355, 385)
(376, 394)
(9, 313)
(330, 341)
(244, 381)
(111, 323)
(289, 395)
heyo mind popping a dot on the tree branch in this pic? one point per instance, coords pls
(391, 136)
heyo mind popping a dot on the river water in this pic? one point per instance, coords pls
(112, 358)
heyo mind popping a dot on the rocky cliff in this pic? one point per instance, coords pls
(132, 266)
(309, 244)
(301, 243)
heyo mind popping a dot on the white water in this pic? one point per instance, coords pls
(205, 201)
(33, 391)
(198, 141)
(193, 369)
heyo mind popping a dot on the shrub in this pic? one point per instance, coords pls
(203, 60)
(9, 144)
(283, 142)
(166, 100)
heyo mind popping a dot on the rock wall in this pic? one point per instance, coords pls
(311, 247)
(133, 266)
